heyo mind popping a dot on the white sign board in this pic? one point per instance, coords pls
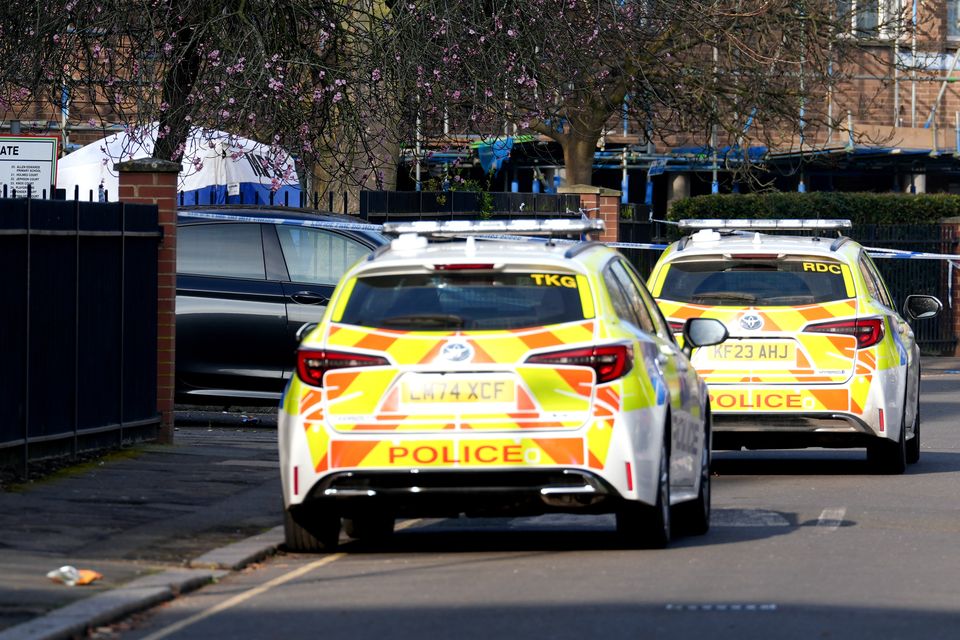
(28, 161)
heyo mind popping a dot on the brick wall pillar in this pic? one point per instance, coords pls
(149, 181)
(600, 203)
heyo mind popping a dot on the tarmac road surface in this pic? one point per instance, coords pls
(803, 545)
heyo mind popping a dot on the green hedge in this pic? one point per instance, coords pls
(860, 208)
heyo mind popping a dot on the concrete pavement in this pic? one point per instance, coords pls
(156, 521)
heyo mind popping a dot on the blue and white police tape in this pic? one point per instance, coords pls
(897, 254)
(316, 224)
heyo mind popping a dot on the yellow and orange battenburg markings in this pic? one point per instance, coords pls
(739, 387)
(460, 441)
(819, 358)
(370, 392)
(332, 452)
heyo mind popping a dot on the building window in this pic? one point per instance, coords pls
(873, 18)
(953, 18)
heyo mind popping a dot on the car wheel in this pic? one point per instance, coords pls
(369, 526)
(888, 456)
(310, 531)
(693, 518)
(648, 526)
(913, 444)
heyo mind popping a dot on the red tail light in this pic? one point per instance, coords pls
(313, 363)
(676, 326)
(609, 361)
(867, 331)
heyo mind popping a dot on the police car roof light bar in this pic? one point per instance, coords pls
(784, 224)
(451, 228)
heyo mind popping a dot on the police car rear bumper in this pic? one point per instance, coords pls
(445, 493)
(787, 431)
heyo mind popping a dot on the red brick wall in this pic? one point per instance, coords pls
(600, 204)
(155, 182)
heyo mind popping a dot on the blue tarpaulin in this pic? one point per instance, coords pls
(493, 153)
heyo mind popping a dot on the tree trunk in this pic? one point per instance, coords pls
(348, 174)
(578, 151)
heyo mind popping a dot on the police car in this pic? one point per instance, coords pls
(456, 373)
(819, 353)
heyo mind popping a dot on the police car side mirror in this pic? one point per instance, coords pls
(920, 307)
(702, 332)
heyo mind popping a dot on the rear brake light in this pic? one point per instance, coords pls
(675, 326)
(609, 361)
(867, 331)
(313, 363)
(462, 267)
(754, 256)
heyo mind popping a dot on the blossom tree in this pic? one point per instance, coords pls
(298, 74)
(713, 72)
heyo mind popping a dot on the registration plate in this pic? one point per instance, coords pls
(444, 389)
(755, 350)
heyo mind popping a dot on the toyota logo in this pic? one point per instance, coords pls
(751, 321)
(456, 352)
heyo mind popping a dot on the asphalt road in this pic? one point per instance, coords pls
(803, 545)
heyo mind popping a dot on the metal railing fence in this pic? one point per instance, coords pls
(78, 336)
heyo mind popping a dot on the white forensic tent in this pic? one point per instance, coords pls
(218, 168)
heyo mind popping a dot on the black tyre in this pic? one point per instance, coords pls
(648, 526)
(887, 456)
(311, 531)
(369, 526)
(913, 444)
(693, 518)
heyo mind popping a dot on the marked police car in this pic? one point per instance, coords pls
(494, 377)
(819, 354)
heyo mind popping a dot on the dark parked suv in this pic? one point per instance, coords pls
(248, 278)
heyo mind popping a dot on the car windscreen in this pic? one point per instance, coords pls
(464, 300)
(737, 281)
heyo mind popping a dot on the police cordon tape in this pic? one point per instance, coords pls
(316, 224)
(875, 252)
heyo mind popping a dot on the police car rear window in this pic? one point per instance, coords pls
(736, 281)
(461, 300)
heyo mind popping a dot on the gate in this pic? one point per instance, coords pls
(78, 335)
(905, 277)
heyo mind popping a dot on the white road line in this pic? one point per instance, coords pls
(252, 593)
(243, 597)
(831, 519)
(735, 607)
